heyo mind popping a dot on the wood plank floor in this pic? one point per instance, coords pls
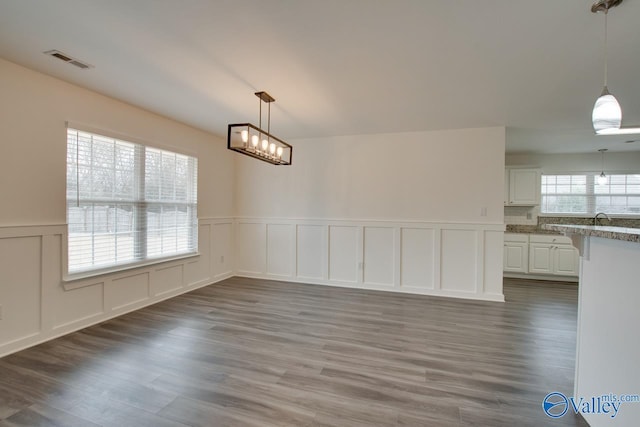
(250, 352)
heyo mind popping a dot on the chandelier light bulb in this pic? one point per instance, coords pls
(272, 148)
(265, 145)
(279, 151)
(254, 140)
(245, 135)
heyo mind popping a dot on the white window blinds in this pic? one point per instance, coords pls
(127, 203)
(582, 194)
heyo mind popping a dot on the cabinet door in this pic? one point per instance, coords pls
(524, 187)
(565, 260)
(540, 258)
(516, 258)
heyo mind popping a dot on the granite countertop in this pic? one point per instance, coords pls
(616, 233)
(528, 229)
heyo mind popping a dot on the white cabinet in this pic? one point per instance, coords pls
(565, 260)
(541, 258)
(553, 255)
(543, 254)
(516, 253)
(522, 187)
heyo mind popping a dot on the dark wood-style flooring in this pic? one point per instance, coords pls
(258, 353)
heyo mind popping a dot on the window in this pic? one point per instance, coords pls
(127, 203)
(581, 194)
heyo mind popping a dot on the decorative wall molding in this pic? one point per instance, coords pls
(38, 306)
(461, 260)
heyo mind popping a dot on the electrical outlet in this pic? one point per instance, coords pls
(529, 216)
(483, 211)
(222, 259)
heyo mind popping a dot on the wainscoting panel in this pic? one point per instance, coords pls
(493, 246)
(379, 256)
(222, 250)
(251, 242)
(20, 287)
(458, 260)
(198, 270)
(311, 245)
(280, 243)
(37, 305)
(127, 290)
(166, 279)
(461, 260)
(344, 259)
(77, 305)
(418, 264)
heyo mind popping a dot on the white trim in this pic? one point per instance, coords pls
(495, 226)
(122, 268)
(8, 231)
(350, 272)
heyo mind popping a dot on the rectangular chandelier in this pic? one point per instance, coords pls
(255, 142)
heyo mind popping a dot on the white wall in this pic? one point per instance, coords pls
(401, 212)
(426, 176)
(36, 304)
(608, 348)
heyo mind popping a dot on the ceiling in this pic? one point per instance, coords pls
(340, 67)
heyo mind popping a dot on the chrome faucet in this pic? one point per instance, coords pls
(595, 218)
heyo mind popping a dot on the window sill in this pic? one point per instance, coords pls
(78, 280)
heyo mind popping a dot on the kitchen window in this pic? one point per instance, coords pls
(127, 203)
(582, 194)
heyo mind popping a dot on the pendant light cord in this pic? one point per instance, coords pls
(606, 58)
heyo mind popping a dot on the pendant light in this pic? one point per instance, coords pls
(602, 179)
(607, 113)
(258, 143)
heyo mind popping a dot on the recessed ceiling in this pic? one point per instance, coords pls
(339, 67)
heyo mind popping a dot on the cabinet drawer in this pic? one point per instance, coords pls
(550, 239)
(516, 237)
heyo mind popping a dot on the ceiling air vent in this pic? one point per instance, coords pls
(68, 59)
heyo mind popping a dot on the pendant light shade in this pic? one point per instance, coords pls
(607, 113)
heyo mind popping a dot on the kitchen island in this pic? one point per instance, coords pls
(608, 340)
